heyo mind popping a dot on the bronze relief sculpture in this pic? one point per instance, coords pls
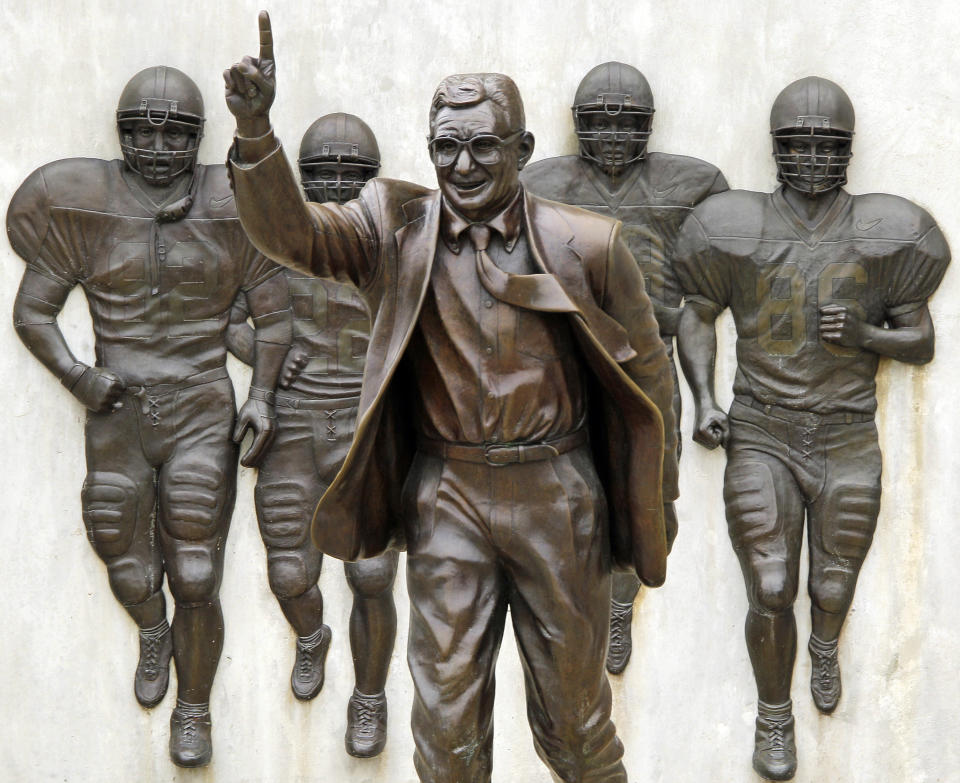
(316, 419)
(821, 284)
(494, 312)
(155, 243)
(614, 174)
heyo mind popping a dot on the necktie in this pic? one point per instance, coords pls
(532, 292)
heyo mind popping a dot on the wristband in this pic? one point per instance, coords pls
(72, 376)
(265, 395)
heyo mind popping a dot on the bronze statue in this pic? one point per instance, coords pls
(651, 193)
(493, 313)
(814, 276)
(316, 419)
(155, 243)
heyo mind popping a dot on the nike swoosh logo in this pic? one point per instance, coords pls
(867, 225)
(216, 203)
(665, 192)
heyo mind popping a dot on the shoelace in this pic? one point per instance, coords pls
(826, 668)
(777, 741)
(618, 627)
(367, 717)
(188, 727)
(151, 656)
(305, 662)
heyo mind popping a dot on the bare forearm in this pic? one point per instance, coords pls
(240, 342)
(910, 344)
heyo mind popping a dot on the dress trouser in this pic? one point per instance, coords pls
(531, 537)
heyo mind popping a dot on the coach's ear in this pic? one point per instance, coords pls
(524, 149)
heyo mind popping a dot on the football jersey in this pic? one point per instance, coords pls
(879, 255)
(157, 317)
(652, 202)
(331, 324)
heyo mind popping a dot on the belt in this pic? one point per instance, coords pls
(313, 404)
(802, 417)
(162, 389)
(149, 396)
(497, 454)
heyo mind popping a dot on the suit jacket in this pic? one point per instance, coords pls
(384, 242)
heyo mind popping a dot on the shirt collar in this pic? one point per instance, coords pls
(508, 223)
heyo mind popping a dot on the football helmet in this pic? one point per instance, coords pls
(812, 125)
(164, 97)
(338, 154)
(613, 116)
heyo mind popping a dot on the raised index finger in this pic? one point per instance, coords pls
(266, 37)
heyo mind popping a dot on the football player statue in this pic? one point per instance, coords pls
(813, 276)
(316, 415)
(155, 243)
(651, 192)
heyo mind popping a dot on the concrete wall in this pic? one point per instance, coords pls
(685, 706)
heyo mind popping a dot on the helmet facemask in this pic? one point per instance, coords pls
(158, 166)
(612, 132)
(812, 171)
(338, 173)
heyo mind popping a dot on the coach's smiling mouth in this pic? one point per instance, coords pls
(469, 187)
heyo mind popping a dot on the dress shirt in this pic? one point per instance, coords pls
(486, 371)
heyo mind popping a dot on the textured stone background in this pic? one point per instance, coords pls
(685, 706)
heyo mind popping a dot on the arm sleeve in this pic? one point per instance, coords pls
(701, 273)
(913, 280)
(38, 237)
(325, 240)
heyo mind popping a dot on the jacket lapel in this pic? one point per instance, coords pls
(543, 221)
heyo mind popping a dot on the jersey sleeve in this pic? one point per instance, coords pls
(38, 237)
(914, 279)
(702, 274)
(257, 269)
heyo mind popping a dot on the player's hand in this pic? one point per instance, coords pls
(251, 85)
(670, 518)
(712, 428)
(259, 416)
(293, 364)
(99, 389)
(840, 325)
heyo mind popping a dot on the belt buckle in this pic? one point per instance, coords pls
(508, 454)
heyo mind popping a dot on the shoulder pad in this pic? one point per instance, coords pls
(885, 216)
(84, 183)
(214, 198)
(734, 213)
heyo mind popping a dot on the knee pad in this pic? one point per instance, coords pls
(111, 503)
(133, 581)
(772, 589)
(373, 577)
(284, 512)
(193, 575)
(193, 499)
(287, 574)
(849, 519)
(831, 587)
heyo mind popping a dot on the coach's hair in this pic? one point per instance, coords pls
(469, 89)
